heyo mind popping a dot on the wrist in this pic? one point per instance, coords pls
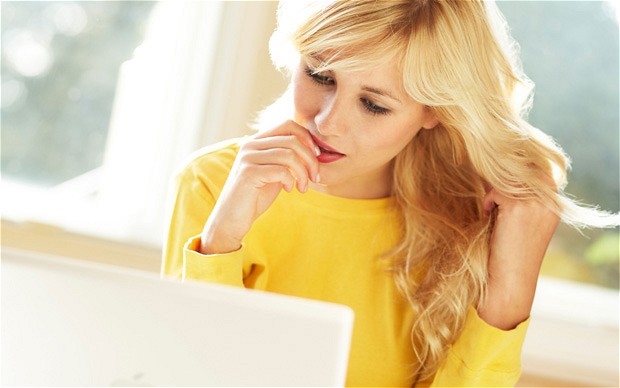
(211, 244)
(218, 237)
(507, 304)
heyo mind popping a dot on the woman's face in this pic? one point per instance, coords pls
(366, 116)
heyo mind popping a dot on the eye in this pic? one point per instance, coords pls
(319, 78)
(374, 108)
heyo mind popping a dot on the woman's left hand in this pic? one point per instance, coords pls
(521, 235)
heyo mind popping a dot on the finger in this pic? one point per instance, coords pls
(290, 127)
(292, 142)
(285, 157)
(494, 199)
(264, 175)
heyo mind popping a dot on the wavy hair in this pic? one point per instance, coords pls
(458, 59)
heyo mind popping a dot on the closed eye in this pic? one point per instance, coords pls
(325, 80)
(319, 78)
(373, 108)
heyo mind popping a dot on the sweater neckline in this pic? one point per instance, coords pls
(333, 203)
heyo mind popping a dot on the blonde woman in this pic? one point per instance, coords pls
(401, 179)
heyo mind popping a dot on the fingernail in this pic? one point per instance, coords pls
(317, 178)
(317, 151)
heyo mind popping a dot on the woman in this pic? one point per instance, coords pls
(423, 198)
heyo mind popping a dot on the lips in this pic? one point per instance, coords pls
(328, 153)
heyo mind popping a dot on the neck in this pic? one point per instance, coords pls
(370, 186)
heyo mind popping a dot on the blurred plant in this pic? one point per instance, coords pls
(604, 256)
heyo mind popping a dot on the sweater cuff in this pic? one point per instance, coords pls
(482, 346)
(225, 268)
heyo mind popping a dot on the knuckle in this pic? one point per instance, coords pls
(246, 146)
(290, 156)
(245, 157)
(290, 123)
(291, 139)
(285, 175)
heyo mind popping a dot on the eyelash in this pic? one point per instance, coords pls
(318, 78)
(322, 80)
(374, 108)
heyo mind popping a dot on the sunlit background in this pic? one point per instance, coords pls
(570, 50)
(60, 64)
(101, 101)
(60, 74)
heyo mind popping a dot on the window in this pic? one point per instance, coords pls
(570, 50)
(103, 100)
(60, 66)
(60, 62)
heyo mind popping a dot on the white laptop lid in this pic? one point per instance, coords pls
(67, 323)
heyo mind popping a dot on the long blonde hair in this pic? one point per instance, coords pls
(458, 59)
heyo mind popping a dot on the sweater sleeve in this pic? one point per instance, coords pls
(194, 193)
(224, 268)
(483, 356)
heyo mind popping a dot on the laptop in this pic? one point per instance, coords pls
(71, 323)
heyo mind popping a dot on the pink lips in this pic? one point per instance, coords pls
(328, 153)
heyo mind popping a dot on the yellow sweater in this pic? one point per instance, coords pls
(322, 247)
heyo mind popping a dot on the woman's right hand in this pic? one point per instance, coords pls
(266, 163)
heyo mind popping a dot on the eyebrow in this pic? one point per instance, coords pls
(380, 92)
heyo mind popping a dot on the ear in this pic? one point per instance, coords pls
(431, 120)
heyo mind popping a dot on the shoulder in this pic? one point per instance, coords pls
(208, 167)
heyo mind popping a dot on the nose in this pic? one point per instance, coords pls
(331, 118)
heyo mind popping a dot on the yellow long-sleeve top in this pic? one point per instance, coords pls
(329, 248)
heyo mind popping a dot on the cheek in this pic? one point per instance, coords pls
(391, 140)
(306, 99)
